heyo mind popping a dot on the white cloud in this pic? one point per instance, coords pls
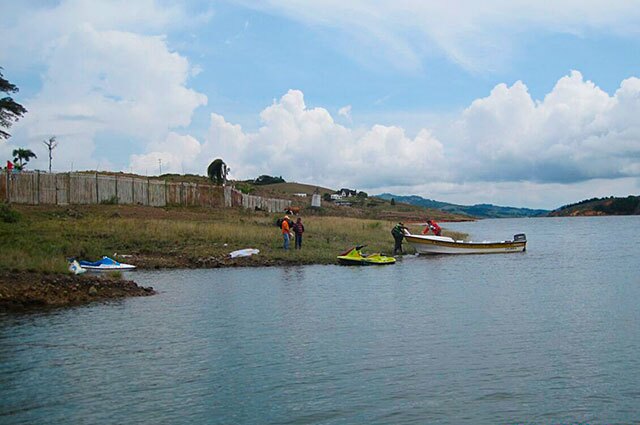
(504, 147)
(306, 144)
(174, 154)
(345, 111)
(101, 80)
(476, 35)
(30, 30)
(578, 132)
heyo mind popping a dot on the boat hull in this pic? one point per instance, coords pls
(109, 268)
(443, 245)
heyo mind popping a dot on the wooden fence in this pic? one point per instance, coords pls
(34, 187)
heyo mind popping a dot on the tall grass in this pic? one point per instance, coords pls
(45, 237)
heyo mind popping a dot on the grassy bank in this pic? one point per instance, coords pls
(44, 237)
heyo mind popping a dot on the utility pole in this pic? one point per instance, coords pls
(51, 145)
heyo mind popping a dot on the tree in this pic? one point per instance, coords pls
(21, 157)
(217, 171)
(10, 111)
(266, 179)
(51, 145)
(393, 201)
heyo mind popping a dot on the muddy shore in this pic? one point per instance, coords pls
(25, 290)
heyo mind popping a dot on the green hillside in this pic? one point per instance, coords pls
(478, 210)
(600, 206)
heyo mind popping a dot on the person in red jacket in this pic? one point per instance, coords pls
(433, 226)
(298, 229)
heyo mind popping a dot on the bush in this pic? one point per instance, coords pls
(265, 179)
(245, 188)
(111, 201)
(8, 214)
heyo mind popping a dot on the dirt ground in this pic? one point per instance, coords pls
(20, 290)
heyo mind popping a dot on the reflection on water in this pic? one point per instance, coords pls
(549, 335)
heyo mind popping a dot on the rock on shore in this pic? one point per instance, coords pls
(26, 289)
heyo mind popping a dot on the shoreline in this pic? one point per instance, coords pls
(33, 265)
(34, 290)
(30, 290)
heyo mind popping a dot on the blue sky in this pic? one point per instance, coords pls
(509, 102)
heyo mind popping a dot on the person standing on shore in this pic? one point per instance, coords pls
(285, 231)
(398, 235)
(298, 229)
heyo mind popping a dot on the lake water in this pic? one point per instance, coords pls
(546, 336)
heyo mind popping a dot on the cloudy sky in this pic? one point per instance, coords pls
(510, 102)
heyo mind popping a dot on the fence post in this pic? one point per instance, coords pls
(37, 194)
(69, 188)
(148, 190)
(8, 188)
(117, 198)
(97, 194)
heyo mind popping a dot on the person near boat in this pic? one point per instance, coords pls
(398, 234)
(285, 231)
(433, 226)
(298, 230)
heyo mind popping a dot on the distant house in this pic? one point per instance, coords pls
(336, 196)
(347, 193)
(300, 195)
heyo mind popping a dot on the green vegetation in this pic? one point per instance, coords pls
(217, 171)
(8, 214)
(629, 205)
(478, 210)
(111, 201)
(21, 156)
(175, 237)
(10, 110)
(265, 179)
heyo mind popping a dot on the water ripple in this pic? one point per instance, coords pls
(546, 336)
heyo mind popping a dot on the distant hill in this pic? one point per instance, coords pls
(478, 211)
(600, 206)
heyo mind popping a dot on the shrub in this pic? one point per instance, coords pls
(111, 201)
(8, 214)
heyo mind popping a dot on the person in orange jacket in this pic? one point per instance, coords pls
(285, 231)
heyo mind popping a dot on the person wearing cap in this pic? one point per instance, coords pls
(285, 231)
(398, 235)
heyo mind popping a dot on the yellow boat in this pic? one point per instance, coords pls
(355, 257)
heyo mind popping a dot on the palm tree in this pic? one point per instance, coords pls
(21, 157)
